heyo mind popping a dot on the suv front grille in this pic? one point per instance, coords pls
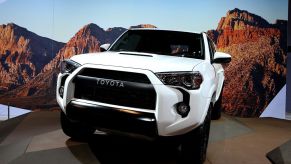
(137, 91)
(116, 75)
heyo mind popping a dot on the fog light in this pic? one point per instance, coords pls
(183, 109)
(61, 91)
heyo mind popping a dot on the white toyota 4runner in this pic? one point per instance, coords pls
(149, 82)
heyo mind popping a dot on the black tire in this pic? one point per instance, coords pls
(194, 144)
(216, 112)
(75, 130)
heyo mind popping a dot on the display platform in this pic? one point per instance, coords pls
(281, 154)
(37, 138)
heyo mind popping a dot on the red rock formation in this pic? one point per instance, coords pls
(258, 68)
(22, 54)
(237, 19)
(86, 40)
(240, 26)
(143, 26)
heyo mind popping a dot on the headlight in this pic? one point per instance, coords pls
(68, 66)
(188, 80)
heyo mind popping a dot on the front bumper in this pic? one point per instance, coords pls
(167, 121)
(111, 118)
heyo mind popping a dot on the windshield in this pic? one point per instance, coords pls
(172, 43)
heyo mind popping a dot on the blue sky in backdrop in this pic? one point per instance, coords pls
(61, 19)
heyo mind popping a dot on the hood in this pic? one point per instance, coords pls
(152, 62)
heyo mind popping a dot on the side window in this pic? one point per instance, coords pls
(211, 48)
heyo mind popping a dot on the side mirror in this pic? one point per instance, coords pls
(220, 57)
(104, 47)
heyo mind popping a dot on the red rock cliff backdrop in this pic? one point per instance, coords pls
(23, 55)
(29, 63)
(258, 68)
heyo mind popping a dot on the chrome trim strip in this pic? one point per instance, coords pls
(89, 103)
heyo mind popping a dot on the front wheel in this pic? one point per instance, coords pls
(75, 130)
(194, 144)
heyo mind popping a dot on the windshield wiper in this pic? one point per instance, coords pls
(187, 54)
(182, 54)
